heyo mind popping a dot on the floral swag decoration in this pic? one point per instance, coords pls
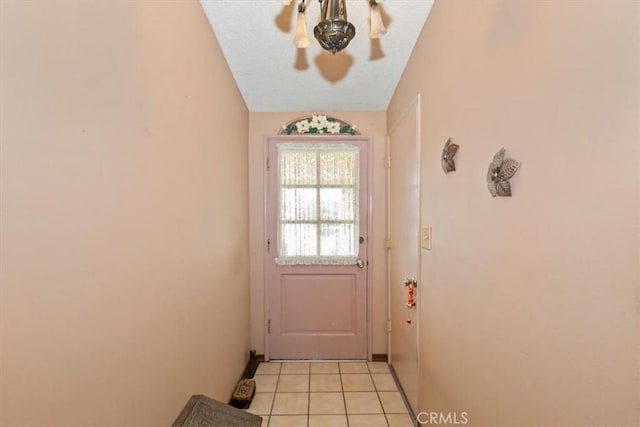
(318, 124)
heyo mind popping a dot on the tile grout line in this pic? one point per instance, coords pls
(344, 399)
(273, 402)
(378, 396)
(375, 387)
(309, 395)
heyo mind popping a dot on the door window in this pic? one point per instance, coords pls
(318, 212)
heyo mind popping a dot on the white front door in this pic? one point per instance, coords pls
(316, 251)
(404, 255)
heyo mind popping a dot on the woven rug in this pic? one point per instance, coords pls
(202, 411)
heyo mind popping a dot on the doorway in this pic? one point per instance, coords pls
(317, 244)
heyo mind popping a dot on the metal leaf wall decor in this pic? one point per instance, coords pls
(448, 153)
(499, 173)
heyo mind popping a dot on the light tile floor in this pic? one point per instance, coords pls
(328, 394)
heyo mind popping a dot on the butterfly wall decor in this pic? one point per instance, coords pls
(499, 173)
(448, 152)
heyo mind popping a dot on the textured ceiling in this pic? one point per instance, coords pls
(273, 76)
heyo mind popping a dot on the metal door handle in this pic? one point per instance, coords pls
(360, 263)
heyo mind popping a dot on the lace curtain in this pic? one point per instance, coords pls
(318, 218)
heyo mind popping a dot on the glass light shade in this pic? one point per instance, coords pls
(334, 32)
(301, 38)
(377, 27)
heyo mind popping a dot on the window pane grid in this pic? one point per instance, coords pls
(320, 222)
(316, 186)
(318, 203)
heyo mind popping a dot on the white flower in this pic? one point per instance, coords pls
(319, 121)
(303, 126)
(333, 127)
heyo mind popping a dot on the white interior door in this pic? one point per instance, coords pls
(404, 253)
(317, 246)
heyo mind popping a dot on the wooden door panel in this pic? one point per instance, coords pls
(404, 255)
(317, 311)
(333, 297)
(320, 316)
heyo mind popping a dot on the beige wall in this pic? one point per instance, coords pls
(370, 123)
(530, 304)
(124, 254)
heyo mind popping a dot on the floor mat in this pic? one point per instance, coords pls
(202, 411)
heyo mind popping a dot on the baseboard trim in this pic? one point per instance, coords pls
(411, 410)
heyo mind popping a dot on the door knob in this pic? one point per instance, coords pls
(360, 263)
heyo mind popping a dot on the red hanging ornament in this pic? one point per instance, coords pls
(411, 299)
(411, 295)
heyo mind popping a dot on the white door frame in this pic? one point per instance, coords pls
(267, 163)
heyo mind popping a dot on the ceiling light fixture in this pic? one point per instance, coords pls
(334, 31)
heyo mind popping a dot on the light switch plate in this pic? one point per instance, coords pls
(425, 238)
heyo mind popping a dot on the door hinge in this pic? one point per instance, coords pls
(269, 326)
(387, 243)
(268, 166)
(268, 245)
(388, 325)
(388, 162)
